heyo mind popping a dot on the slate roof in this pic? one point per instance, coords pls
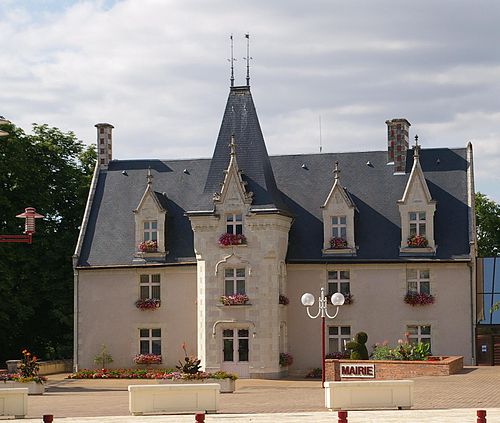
(282, 183)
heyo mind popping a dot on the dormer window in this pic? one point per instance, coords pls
(417, 223)
(339, 227)
(234, 224)
(150, 232)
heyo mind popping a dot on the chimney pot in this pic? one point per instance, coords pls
(104, 143)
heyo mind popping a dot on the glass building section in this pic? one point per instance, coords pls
(488, 290)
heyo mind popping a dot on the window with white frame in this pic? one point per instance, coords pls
(339, 227)
(339, 281)
(150, 232)
(417, 223)
(234, 224)
(234, 281)
(150, 341)
(150, 286)
(418, 281)
(338, 337)
(419, 333)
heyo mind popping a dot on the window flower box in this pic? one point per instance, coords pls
(338, 243)
(283, 299)
(417, 241)
(148, 247)
(147, 359)
(227, 239)
(148, 304)
(418, 298)
(286, 359)
(236, 299)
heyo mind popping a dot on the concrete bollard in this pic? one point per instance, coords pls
(481, 416)
(48, 418)
(199, 417)
(342, 417)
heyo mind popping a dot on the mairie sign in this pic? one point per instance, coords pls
(357, 370)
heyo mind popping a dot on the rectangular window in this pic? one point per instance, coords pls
(234, 224)
(339, 227)
(150, 341)
(417, 223)
(338, 337)
(228, 342)
(339, 281)
(419, 333)
(234, 281)
(150, 230)
(243, 345)
(150, 286)
(418, 281)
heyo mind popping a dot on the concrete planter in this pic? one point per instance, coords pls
(33, 387)
(226, 385)
(12, 365)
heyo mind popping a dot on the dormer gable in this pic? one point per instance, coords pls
(417, 208)
(233, 191)
(338, 219)
(150, 221)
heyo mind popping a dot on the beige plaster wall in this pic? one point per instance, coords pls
(107, 314)
(379, 310)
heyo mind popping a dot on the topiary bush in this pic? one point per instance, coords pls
(358, 346)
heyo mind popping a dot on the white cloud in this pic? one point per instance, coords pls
(157, 71)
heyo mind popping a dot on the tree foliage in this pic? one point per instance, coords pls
(488, 226)
(51, 171)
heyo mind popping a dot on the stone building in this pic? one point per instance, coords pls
(216, 253)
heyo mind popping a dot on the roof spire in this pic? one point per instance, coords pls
(149, 177)
(232, 146)
(336, 171)
(231, 60)
(416, 148)
(248, 58)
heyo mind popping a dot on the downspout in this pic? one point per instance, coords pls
(76, 258)
(473, 246)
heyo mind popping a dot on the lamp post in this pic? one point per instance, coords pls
(29, 227)
(308, 301)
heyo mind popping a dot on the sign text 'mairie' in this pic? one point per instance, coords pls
(357, 370)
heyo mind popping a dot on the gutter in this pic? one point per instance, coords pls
(76, 258)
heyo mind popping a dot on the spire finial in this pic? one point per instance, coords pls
(248, 58)
(149, 177)
(231, 60)
(232, 146)
(416, 148)
(336, 171)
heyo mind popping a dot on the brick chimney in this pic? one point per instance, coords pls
(104, 143)
(397, 143)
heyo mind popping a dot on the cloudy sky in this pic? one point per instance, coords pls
(158, 71)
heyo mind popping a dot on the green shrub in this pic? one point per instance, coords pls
(358, 347)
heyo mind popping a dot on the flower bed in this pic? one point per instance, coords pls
(418, 298)
(148, 304)
(232, 239)
(417, 241)
(387, 369)
(148, 247)
(236, 299)
(337, 243)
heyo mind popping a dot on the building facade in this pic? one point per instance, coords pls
(216, 253)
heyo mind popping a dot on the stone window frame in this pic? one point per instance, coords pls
(417, 222)
(340, 338)
(147, 281)
(151, 338)
(232, 223)
(418, 280)
(149, 230)
(419, 336)
(339, 282)
(234, 279)
(338, 229)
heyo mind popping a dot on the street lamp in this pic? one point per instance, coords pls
(29, 227)
(308, 301)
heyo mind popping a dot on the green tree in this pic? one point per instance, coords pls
(488, 226)
(49, 170)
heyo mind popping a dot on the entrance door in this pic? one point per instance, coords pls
(235, 349)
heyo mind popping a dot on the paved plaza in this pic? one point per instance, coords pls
(437, 399)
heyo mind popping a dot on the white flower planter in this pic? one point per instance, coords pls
(226, 385)
(33, 387)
